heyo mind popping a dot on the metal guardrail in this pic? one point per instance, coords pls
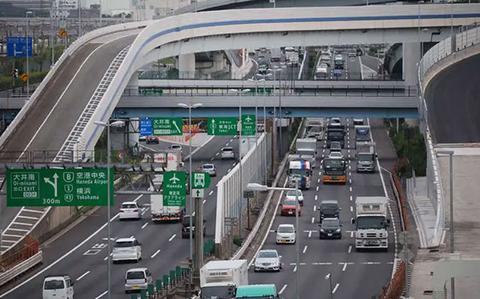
(21, 268)
(439, 52)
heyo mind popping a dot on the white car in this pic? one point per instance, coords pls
(268, 260)
(129, 210)
(137, 279)
(286, 234)
(227, 153)
(126, 249)
(210, 169)
(335, 155)
(57, 286)
(176, 147)
(290, 195)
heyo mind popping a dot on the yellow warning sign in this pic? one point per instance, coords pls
(24, 77)
(62, 33)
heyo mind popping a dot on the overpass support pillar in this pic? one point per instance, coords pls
(411, 56)
(186, 66)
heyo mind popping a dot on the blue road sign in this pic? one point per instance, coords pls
(146, 128)
(19, 46)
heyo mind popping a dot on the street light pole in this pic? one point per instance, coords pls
(27, 13)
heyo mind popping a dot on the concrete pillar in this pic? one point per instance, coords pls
(411, 56)
(186, 66)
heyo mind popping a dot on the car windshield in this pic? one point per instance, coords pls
(218, 292)
(135, 275)
(334, 163)
(54, 284)
(267, 254)
(129, 206)
(207, 166)
(365, 157)
(293, 193)
(289, 202)
(330, 223)
(121, 244)
(328, 206)
(299, 172)
(371, 222)
(285, 229)
(338, 134)
(227, 149)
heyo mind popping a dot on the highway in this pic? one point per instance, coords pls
(452, 100)
(319, 257)
(81, 251)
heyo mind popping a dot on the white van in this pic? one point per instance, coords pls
(58, 286)
(137, 279)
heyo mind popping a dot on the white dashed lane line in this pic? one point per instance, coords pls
(313, 219)
(305, 249)
(172, 237)
(351, 209)
(344, 267)
(144, 225)
(349, 248)
(82, 276)
(335, 288)
(282, 289)
(210, 193)
(351, 198)
(155, 254)
(316, 197)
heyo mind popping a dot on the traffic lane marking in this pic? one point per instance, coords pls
(82, 276)
(172, 237)
(102, 294)
(335, 288)
(155, 254)
(144, 225)
(283, 289)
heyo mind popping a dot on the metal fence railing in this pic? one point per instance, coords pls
(464, 39)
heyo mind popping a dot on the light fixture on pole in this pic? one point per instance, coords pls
(263, 188)
(190, 107)
(115, 124)
(27, 14)
(450, 154)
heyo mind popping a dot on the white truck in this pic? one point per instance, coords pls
(220, 279)
(291, 55)
(161, 213)
(306, 149)
(366, 157)
(371, 222)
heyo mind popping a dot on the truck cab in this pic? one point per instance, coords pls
(371, 222)
(366, 158)
(362, 135)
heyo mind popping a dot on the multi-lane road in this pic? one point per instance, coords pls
(354, 274)
(81, 251)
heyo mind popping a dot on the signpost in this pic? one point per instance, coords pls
(19, 46)
(156, 126)
(174, 188)
(58, 187)
(229, 125)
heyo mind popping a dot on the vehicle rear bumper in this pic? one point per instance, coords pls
(340, 179)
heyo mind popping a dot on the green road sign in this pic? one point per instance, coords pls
(167, 126)
(222, 126)
(58, 187)
(174, 188)
(201, 180)
(249, 125)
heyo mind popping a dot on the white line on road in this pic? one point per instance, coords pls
(351, 209)
(295, 268)
(351, 198)
(350, 180)
(212, 158)
(204, 201)
(318, 188)
(155, 254)
(350, 189)
(335, 288)
(144, 225)
(64, 256)
(349, 248)
(82, 276)
(310, 234)
(172, 237)
(351, 234)
(101, 295)
(314, 208)
(313, 219)
(316, 197)
(318, 181)
(210, 193)
(229, 170)
(282, 289)
(305, 249)
(320, 173)
(344, 267)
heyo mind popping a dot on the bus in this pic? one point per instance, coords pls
(257, 291)
(334, 170)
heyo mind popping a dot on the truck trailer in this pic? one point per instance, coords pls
(220, 279)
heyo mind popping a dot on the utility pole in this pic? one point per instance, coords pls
(198, 260)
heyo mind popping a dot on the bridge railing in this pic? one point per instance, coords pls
(430, 65)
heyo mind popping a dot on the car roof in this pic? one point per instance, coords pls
(208, 164)
(227, 147)
(129, 203)
(268, 250)
(129, 239)
(51, 277)
(331, 219)
(137, 269)
(286, 225)
(329, 201)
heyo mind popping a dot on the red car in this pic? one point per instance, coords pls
(289, 206)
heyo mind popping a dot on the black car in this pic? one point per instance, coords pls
(152, 139)
(331, 229)
(186, 227)
(329, 209)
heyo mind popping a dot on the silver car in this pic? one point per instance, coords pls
(268, 260)
(210, 169)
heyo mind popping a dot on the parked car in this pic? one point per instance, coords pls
(292, 196)
(210, 169)
(331, 229)
(57, 286)
(129, 210)
(288, 208)
(268, 260)
(329, 209)
(137, 279)
(286, 234)
(126, 249)
(227, 153)
(151, 139)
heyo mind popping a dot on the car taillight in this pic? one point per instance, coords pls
(135, 210)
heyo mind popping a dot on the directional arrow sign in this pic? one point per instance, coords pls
(58, 187)
(165, 126)
(222, 126)
(198, 193)
(249, 125)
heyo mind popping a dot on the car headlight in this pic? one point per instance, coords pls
(322, 230)
(338, 230)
